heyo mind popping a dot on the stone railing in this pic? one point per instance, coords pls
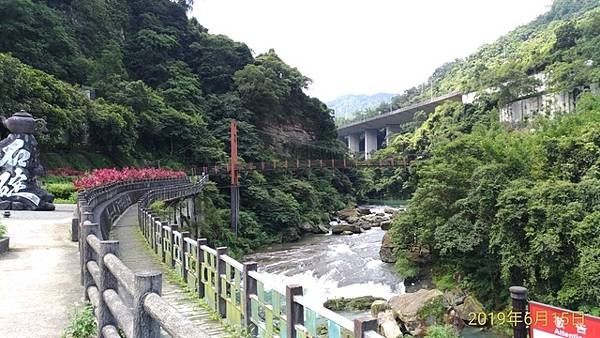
(123, 300)
(105, 203)
(243, 297)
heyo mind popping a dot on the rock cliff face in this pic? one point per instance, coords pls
(386, 253)
(19, 166)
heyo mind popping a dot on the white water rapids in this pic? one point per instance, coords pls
(332, 266)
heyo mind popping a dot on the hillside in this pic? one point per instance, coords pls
(345, 106)
(492, 207)
(557, 43)
(166, 87)
(165, 92)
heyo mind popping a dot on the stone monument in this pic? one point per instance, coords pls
(20, 164)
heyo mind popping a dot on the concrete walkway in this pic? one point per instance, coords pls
(134, 253)
(39, 276)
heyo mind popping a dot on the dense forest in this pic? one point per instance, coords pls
(163, 92)
(489, 207)
(493, 207)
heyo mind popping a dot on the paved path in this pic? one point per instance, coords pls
(137, 257)
(39, 276)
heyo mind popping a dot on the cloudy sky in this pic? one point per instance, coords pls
(365, 46)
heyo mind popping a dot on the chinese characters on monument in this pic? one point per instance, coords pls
(19, 166)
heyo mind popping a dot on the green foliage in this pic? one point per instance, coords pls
(165, 93)
(82, 324)
(63, 192)
(2, 230)
(441, 331)
(159, 208)
(433, 311)
(362, 303)
(558, 44)
(501, 208)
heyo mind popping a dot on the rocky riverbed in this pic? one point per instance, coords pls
(332, 265)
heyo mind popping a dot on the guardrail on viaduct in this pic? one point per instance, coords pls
(244, 298)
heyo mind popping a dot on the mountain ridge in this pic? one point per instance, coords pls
(344, 106)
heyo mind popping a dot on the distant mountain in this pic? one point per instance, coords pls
(345, 106)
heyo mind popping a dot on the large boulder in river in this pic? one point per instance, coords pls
(321, 229)
(386, 252)
(470, 305)
(389, 326)
(346, 213)
(364, 211)
(418, 309)
(364, 225)
(352, 219)
(341, 228)
(391, 211)
(379, 306)
(385, 225)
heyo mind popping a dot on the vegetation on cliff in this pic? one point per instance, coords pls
(557, 44)
(164, 91)
(493, 207)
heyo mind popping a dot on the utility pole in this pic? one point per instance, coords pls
(235, 187)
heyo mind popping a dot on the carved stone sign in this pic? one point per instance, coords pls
(20, 164)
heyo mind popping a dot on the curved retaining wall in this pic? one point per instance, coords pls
(104, 204)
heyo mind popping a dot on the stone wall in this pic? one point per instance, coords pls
(545, 104)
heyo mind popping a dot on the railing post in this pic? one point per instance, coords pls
(75, 229)
(362, 325)
(249, 287)
(518, 294)
(107, 281)
(144, 326)
(200, 255)
(182, 252)
(294, 312)
(171, 235)
(221, 303)
(84, 215)
(88, 228)
(153, 221)
(161, 240)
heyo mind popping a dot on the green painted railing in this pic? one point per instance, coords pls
(244, 298)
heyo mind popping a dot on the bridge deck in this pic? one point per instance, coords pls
(136, 255)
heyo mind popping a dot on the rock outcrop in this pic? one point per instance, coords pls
(386, 252)
(388, 326)
(469, 305)
(418, 309)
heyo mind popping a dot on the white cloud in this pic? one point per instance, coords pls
(364, 47)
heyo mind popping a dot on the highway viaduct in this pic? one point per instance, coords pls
(366, 130)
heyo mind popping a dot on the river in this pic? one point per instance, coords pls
(333, 266)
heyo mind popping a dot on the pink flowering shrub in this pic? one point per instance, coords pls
(108, 175)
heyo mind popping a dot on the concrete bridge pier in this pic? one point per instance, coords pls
(390, 130)
(354, 143)
(370, 142)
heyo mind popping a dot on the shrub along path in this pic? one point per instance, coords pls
(136, 255)
(39, 276)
